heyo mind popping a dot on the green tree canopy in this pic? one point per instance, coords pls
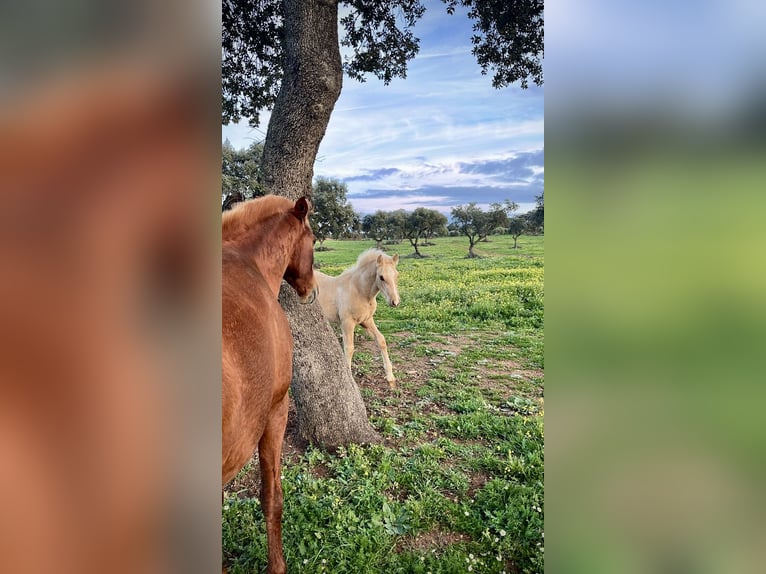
(508, 42)
(415, 226)
(395, 225)
(239, 173)
(422, 223)
(476, 224)
(333, 215)
(508, 38)
(517, 226)
(436, 224)
(536, 217)
(375, 226)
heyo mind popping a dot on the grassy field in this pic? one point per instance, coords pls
(458, 484)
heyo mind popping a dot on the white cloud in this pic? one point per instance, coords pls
(398, 201)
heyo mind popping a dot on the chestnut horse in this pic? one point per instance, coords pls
(104, 173)
(264, 241)
(350, 299)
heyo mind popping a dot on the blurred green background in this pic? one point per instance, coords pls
(655, 290)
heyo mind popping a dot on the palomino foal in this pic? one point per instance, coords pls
(350, 299)
(264, 241)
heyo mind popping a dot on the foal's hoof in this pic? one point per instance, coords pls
(391, 383)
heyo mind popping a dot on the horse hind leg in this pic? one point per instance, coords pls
(269, 454)
(372, 329)
(347, 332)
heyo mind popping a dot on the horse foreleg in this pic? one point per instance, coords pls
(347, 331)
(372, 329)
(269, 454)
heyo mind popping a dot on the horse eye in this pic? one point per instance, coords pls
(381, 278)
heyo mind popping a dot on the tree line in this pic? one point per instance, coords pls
(335, 218)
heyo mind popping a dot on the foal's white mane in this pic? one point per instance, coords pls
(364, 259)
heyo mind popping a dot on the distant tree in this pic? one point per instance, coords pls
(415, 227)
(423, 223)
(375, 226)
(437, 225)
(355, 230)
(333, 216)
(517, 226)
(477, 224)
(240, 170)
(499, 213)
(395, 225)
(536, 217)
(469, 221)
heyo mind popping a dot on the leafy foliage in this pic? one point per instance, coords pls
(239, 173)
(476, 224)
(536, 217)
(421, 223)
(508, 40)
(436, 224)
(375, 226)
(251, 60)
(380, 34)
(333, 215)
(517, 226)
(396, 222)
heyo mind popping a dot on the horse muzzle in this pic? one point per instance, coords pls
(311, 297)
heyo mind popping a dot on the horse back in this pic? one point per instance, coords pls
(257, 360)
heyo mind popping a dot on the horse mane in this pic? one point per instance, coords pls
(365, 257)
(243, 216)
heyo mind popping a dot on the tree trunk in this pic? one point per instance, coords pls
(330, 407)
(414, 243)
(312, 81)
(471, 254)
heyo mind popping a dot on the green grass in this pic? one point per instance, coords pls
(459, 485)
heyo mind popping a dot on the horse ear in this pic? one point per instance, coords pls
(302, 208)
(379, 259)
(396, 258)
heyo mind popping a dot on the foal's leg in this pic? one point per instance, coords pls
(269, 454)
(372, 329)
(347, 331)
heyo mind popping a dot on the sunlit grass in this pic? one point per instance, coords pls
(459, 488)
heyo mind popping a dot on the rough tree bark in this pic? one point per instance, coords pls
(327, 400)
(330, 407)
(414, 243)
(471, 253)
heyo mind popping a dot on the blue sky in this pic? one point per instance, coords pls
(437, 139)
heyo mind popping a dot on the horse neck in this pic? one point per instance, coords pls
(365, 280)
(269, 248)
